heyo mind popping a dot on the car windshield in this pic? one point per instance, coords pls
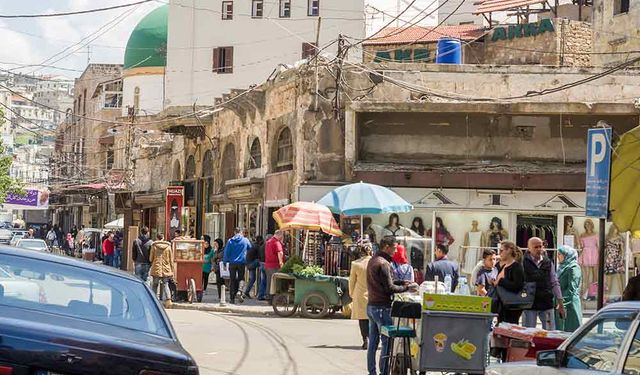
(32, 243)
(81, 293)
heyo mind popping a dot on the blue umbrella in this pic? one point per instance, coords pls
(364, 199)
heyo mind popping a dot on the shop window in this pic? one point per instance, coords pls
(223, 60)
(227, 10)
(257, 8)
(190, 169)
(284, 151)
(285, 8)
(229, 163)
(620, 6)
(314, 7)
(255, 155)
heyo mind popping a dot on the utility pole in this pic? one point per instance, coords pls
(336, 103)
(316, 62)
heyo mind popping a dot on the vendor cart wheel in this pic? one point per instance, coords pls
(315, 305)
(191, 291)
(283, 305)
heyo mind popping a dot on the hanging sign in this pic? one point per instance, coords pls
(173, 210)
(598, 172)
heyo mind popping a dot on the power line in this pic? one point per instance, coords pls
(61, 14)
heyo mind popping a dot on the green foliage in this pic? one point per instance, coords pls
(8, 184)
(288, 265)
(308, 271)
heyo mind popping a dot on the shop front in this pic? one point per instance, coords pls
(240, 206)
(277, 194)
(151, 206)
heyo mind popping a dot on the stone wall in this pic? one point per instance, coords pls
(419, 53)
(547, 42)
(614, 33)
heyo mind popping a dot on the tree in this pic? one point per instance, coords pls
(8, 184)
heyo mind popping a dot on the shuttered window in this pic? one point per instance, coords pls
(257, 8)
(227, 10)
(314, 7)
(222, 60)
(285, 8)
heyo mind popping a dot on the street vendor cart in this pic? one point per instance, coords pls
(523, 343)
(188, 256)
(316, 296)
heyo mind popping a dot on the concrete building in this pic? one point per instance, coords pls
(615, 29)
(31, 164)
(211, 51)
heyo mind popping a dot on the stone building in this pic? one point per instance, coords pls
(616, 28)
(83, 171)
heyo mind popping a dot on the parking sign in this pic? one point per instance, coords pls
(598, 172)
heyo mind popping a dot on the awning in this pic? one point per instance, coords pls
(488, 6)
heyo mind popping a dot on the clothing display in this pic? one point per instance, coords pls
(589, 246)
(545, 232)
(392, 231)
(494, 238)
(473, 251)
(614, 255)
(571, 238)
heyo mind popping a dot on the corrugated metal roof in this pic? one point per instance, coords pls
(421, 34)
(487, 6)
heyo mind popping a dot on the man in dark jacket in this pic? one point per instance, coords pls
(140, 255)
(381, 289)
(442, 267)
(632, 291)
(538, 268)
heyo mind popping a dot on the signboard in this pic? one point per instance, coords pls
(174, 203)
(33, 199)
(414, 55)
(598, 172)
(522, 31)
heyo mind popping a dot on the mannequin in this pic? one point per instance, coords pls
(614, 259)
(496, 233)
(394, 228)
(635, 249)
(418, 226)
(471, 250)
(443, 237)
(589, 257)
(570, 237)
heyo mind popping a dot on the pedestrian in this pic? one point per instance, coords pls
(141, 254)
(262, 285)
(218, 247)
(59, 235)
(632, 290)
(162, 269)
(108, 249)
(80, 238)
(235, 254)
(380, 289)
(68, 245)
(273, 258)
(52, 238)
(207, 264)
(570, 278)
(30, 233)
(539, 268)
(74, 230)
(442, 267)
(178, 235)
(487, 274)
(253, 265)
(118, 239)
(359, 293)
(402, 270)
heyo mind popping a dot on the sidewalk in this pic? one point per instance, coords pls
(210, 302)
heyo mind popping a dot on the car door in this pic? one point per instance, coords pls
(600, 346)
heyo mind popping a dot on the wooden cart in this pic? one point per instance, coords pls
(188, 256)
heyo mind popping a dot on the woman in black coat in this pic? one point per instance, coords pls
(510, 277)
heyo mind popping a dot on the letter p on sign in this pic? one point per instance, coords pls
(598, 150)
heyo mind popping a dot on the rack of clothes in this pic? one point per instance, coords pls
(536, 226)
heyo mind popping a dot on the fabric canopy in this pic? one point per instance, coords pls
(624, 201)
(308, 216)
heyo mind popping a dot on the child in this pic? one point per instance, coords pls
(487, 273)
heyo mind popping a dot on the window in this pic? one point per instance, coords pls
(136, 98)
(110, 157)
(190, 168)
(255, 155)
(229, 163)
(227, 10)
(308, 50)
(285, 8)
(632, 363)
(598, 346)
(256, 8)
(284, 152)
(112, 94)
(620, 6)
(223, 60)
(314, 7)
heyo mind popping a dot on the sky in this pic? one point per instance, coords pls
(28, 41)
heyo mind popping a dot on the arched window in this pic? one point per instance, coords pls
(207, 164)
(136, 98)
(190, 169)
(284, 151)
(229, 163)
(255, 155)
(177, 171)
(207, 183)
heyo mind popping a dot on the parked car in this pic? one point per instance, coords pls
(32, 244)
(15, 238)
(13, 287)
(609, 343)
(5, 235)
(96, 320)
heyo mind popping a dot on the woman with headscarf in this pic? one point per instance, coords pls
(68, 245)
(402, 270)
(209, 253)
(570, 277)
(358, 291)
(218, 248)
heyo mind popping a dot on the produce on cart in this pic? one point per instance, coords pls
(189, 257)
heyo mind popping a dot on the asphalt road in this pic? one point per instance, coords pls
(238, 345)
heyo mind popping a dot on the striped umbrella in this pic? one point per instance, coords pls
(309, 216)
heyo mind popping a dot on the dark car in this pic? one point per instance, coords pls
(87, 319)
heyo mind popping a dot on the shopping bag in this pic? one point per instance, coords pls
(517, 300)
(224, 271)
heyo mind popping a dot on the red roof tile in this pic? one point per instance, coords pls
(422, 34)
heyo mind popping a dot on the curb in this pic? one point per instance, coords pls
(221, 309)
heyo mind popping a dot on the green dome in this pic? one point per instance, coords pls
(147, 45)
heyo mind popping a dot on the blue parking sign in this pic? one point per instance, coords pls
(598, 172)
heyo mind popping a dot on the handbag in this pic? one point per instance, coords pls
(224, 271)
(521, 300)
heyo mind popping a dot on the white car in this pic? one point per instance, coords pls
(609, 343)
(15, 238)
(5, 235)
(20, 289)
(32, 244)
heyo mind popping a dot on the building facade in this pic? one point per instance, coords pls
(615, 30)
